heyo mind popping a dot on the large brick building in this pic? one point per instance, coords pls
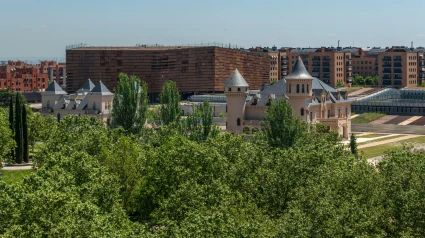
(194, 69)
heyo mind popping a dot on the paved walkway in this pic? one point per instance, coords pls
(387, 141)
(23, 167)
(384, 119)
(408, 121)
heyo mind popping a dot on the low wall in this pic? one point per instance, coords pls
(387, 128)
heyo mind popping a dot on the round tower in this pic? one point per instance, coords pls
(299, 88)
(236, 91)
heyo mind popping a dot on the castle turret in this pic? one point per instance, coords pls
(236, 91)
(299, 88)
(51, 96)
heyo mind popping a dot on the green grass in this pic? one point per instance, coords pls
(14, 176)
(420, 139)
(352, 89)
(368, 136)
(367, 117)
(378, 150)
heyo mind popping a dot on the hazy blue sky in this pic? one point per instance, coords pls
(42, 28)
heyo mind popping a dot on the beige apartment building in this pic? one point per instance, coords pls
(273, 53)
(401, 67)
(363, 63)
(330, 65)
(311, 99)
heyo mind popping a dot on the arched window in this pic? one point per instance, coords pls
(298, 88)
(289, 88)
(238, 122)
(94, 105)
(302, 89)
(308, 91)
(302, 111)
(48, 104)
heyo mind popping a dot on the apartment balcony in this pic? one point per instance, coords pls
(422, 76)
(398, 71)
(397, 83)
(348, 63)
(284, 63)
(387, 65)
(386, 82)
(326, 70)
(316, 69)
(386, 76)
(326, 58)
(316, 64)
(349, 68)
(397, 65)
(397, 77)
(316, 58)
(315, 74)
(386, 58)
(397, 58)
(386, 71)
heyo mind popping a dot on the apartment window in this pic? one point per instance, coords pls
(302, 112)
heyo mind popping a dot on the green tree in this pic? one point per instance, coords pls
(130, 104)
(25, 141)
(280, 126)
(6, 137)
(368, 80)
(375, 80)
(353, 144)
(12, 124)
(19, 152)
(170, 109)
(339, 84)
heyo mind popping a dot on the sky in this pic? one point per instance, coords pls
(43, 28)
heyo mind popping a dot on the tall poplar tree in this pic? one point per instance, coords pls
(25, 134)
(130, 104)
(170, 109)
(19, 153)
(12, 124)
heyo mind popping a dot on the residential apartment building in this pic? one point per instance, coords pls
(273, 53)
(401, 67)
(331, 65)
(19, 76)
(364, 61)
(195, 69)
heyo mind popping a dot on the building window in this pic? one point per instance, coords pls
(239, 89)
(329, 113)
(346, 112)
(302, 88)
(308, 89)
(298, 88)
(94, 105)
(311, 116)
(339, 112)
(289, 89)
(230, 89)
(238, 122)
(48, 104)
(302, 111)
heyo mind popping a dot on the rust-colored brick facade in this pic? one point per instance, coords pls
(194, 69)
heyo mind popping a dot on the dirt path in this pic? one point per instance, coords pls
(387, 141)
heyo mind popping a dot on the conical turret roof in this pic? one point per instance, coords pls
(299, 71)
(87, 86)
(54, 88)
(100, 88)
(236, 80)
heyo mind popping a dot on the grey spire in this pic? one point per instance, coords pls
(235, 80)
(87, 86)
(299, 71)
(101, 89)
(54, 88)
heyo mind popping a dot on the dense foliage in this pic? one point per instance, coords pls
(130, 104)
(170, 109)
(359, 80)
(94, 181)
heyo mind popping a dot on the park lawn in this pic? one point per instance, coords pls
(378, 150)
(14, 176)
(367, 117)
(420, 139)
(351, 89)
(369, 136)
